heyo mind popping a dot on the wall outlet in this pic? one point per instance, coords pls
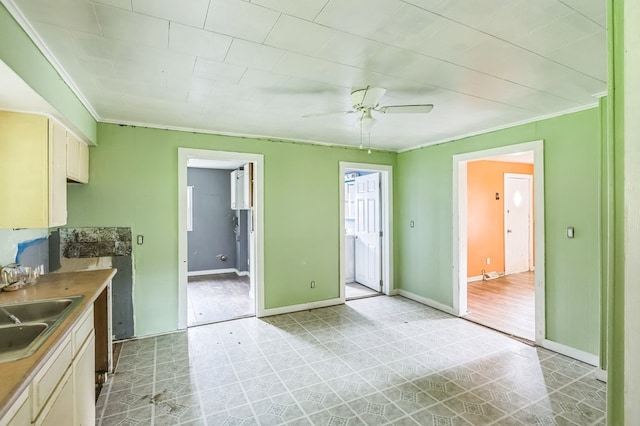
(313, 284)
(488, 261)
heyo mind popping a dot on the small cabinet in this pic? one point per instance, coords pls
(33, 166)
(77, 159)
(241, 188)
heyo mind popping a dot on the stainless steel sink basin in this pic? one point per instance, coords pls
(18, 337)
(26, 326)
(40, 310)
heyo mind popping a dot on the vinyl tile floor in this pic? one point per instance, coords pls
(373, 361)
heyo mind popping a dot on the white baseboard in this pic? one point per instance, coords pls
(474, 279)
(300, 307)
(571, 352)
(429, 302)
(394, 292)
(217, 271)
(601, 375)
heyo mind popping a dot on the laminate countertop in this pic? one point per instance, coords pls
(15, 376)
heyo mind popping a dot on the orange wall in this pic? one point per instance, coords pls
(485, 227)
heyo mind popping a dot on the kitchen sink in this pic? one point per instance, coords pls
(40, 310)
(25, 326)
(18, 337)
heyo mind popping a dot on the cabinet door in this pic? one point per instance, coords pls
(57, 174)
(73, 157)
(23, 171)
(60, 411)
(84, 384)
(83, 174)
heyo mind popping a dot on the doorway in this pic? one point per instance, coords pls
(498, 234)
(219, 219)
(365, 230)
(218, 269)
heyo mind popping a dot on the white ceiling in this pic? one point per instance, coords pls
(255, 67)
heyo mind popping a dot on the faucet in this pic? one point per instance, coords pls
(9, 315)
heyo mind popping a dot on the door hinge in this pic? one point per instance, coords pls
(380, 233)
(381, 285)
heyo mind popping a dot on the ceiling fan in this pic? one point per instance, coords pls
(367, 100)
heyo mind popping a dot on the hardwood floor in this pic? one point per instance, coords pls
(506, 304)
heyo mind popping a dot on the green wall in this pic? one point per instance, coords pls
(25, 59)
(134, 182)
(572, 198)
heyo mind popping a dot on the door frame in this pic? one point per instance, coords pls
(256, 238)
(460, 227)
(530, 245)
(386, 201)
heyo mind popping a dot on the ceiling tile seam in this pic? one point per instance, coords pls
(204, 23)
(272, 27)
(321, 10)
(21, 19)
(503, 127)
(226, 54)
(505, 41)
(423, 55)
(581, 14)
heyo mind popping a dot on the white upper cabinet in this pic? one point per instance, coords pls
(33, 171)
(77, 159)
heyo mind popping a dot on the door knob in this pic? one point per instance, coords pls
(508, 231)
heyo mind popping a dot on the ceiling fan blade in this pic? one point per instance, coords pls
(405, 109)
(372, 96)
(321, 114)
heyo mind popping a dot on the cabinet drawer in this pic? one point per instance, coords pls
(83, 329)
(49, 376)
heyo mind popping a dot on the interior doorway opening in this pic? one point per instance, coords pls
(499, 199)
(218, 228)
(219, 238)
(365, 230)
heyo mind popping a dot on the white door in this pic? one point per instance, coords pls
(368, 237)
(517, 223)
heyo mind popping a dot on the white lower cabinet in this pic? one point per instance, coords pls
(63, 391)
(59, 410)
(83, 384)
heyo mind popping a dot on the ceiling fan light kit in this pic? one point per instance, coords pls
(366, 101)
